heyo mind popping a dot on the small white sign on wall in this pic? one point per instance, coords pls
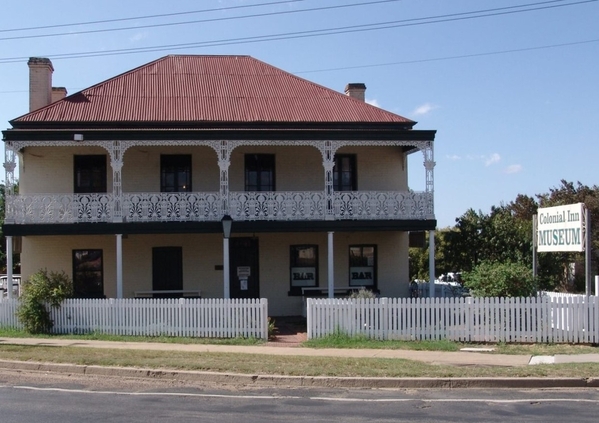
(244, 271)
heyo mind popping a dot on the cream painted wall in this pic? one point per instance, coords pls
(141, 168)
(289, 163)
(379, 168)
(50, 169)
(202, 252)
(55, 253)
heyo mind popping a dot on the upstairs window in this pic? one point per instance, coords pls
(90, 174)
(260, 172)
(175, 173)
(344, 173)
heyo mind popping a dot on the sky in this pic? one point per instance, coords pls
(510, 86)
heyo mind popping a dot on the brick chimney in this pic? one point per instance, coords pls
(40, 82)
(356, 90)
(58, 93)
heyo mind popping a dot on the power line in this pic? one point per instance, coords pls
(434, 59)
(227, 18)
(22, 37)
(316, 33)
(462, 56)
(162, 15)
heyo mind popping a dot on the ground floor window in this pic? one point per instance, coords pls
(88, 274)
(303, 271)
(362, 266)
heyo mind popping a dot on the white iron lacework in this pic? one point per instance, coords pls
(60, 208)
(382, 205)
(277, 205)
(172, 206)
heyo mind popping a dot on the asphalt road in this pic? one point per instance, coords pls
(38, 397)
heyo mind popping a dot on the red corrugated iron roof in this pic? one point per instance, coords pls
(181, 88)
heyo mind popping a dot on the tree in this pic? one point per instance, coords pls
(464, 242)
(419, 257)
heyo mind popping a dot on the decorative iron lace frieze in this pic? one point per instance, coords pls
(366, 205)
(59, 208)
(172, 206)
(277, 205)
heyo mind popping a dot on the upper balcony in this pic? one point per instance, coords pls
(209, 206)
(146, 182)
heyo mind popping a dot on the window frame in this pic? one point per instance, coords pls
(175, 165)
(296, 288)
(89, 163)
(372, 266)
(338, 184)
(98, 292)
(259, 163)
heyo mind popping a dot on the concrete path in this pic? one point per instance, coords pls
(470, 357)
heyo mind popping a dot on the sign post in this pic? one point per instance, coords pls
(564, 228)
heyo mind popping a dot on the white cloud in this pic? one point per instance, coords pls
(494, 158)
(138, 37)
(372, 102)
(453, 157)
(516, 168)
(424, 109)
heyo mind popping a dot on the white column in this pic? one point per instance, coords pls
(431, 263)
(224, 161)
(587, 253)
(9, 266)
(9, 168)
(328, 162)
(116, 162)
(331, 275)
(226, 275)
(119, 265)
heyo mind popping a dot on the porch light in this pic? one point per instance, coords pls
(227, 222)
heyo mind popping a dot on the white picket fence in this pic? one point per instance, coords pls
(191, 317)
(524, 320)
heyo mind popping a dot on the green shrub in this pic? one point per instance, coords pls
(500, 280)
(41, 289)
(362, 293)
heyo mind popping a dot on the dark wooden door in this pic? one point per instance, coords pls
(243, 261)
(167, 270)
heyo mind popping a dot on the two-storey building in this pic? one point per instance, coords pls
(219, 176)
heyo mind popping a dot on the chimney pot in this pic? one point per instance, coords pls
(58, 93)
(356, 90)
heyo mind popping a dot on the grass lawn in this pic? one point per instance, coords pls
(281, 365)
(296, 365)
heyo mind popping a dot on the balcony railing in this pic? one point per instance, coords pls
(383, 205)
(207, 206)
(172, 206)
(277, 205)
(59, 208)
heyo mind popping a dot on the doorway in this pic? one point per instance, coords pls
(167, 271)
(243, 265)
